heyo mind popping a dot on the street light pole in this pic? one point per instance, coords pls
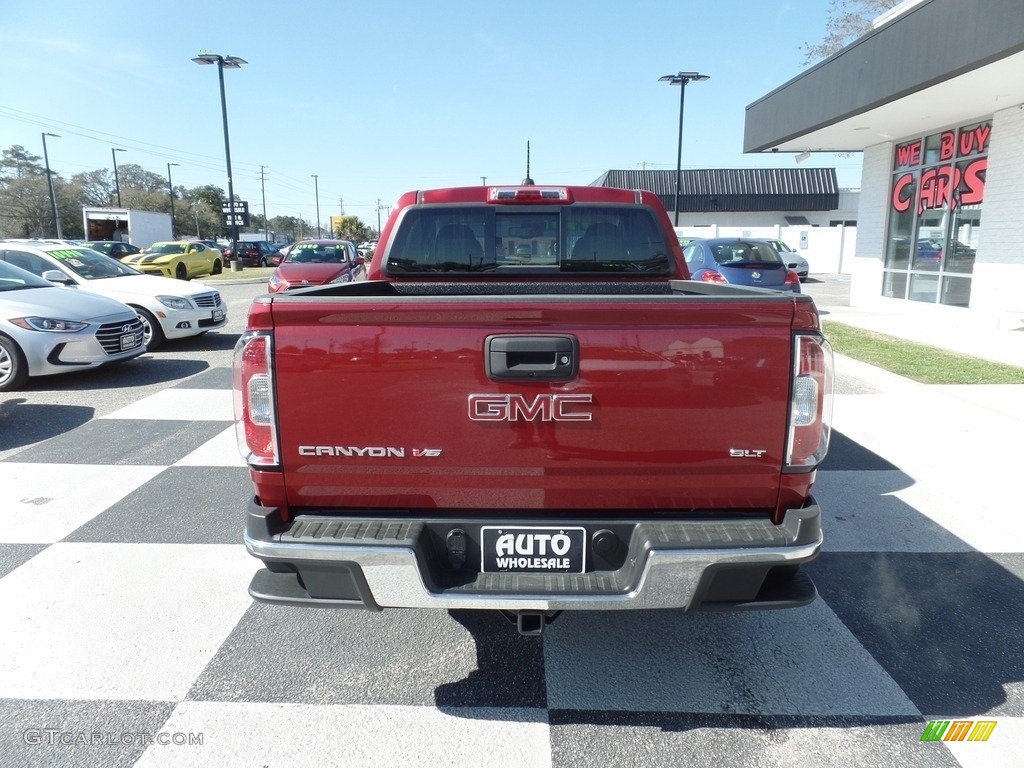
(316, 187)
(680, 79)
(170, 188)
(49, 181)
(117, 184)
(231, 62)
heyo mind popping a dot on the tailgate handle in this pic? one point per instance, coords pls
(518, 357)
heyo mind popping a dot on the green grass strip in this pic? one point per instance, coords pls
(920, 362)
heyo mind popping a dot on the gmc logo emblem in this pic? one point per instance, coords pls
(539, 408)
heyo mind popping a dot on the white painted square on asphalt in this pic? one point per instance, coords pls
(959, 462)
(118, 621)
(802, 661)
(221, 451)
(880, 511)
(180, 404)
(1002, 748)
(300, 735)
(43, 503)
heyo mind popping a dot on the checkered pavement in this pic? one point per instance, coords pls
(129, 639)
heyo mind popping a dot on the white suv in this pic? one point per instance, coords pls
(169, 309)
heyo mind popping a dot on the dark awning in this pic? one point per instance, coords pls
(735, 189)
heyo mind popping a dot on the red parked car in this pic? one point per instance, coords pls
(315, 262)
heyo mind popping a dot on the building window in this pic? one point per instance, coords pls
(938, 187)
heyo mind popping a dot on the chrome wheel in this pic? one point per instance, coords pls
(13, 368)
(152, 333)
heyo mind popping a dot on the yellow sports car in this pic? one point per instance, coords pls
(183, 259)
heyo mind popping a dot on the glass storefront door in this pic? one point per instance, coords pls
(938, 187)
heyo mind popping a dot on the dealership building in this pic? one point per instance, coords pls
(933, 96)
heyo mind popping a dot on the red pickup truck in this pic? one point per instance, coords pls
(529, 407)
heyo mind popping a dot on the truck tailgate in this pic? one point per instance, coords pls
(679, 403)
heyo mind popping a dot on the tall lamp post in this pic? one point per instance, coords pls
(316, 188)
(170, 188)
(49, 181)
(228, 62)
(195, 212)
(680, 79)
(117, 184)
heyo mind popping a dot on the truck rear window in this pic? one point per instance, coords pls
(572, 238)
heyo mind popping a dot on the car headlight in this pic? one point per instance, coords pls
(175, 302)
(49, 324)
(346, 278)
(276, 282)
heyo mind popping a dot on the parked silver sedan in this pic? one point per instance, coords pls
(46, 330)
(793, 260)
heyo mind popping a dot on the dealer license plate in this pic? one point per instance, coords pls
(529, 549)
(218, 315)
(130, 341)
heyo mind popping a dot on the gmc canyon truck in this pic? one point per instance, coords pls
(528, 407)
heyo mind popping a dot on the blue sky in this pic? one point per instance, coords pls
(380, 98)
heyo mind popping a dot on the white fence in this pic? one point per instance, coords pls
(828, 250)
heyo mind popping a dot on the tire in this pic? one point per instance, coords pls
(263, 261)
(217, 267)
(180, 272)
(152, 333)
(13, 366)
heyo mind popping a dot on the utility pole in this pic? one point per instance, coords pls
(170, 188)
(379, 209)
(263, 191)
(53, 198)
(117, 184)
(316, 186)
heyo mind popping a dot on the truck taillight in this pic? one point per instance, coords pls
(253, 395)
(810, 408)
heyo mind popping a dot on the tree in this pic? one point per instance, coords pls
(18, 163)
(351, 228)
(25, 208)
(288, 225)
(95, 188)
(847, 20)
(203, 211)
(24, 195)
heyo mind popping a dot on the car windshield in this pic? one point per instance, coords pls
(13, 278)
(745, 253)
(307, 253)
(576, 238)
(165, 248)
(91, 264)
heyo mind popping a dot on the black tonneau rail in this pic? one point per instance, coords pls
(385, 288)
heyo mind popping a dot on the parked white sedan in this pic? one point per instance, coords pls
(168, 308)
(45, 330)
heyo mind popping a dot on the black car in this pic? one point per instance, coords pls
(113, 248)
(255, 253)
